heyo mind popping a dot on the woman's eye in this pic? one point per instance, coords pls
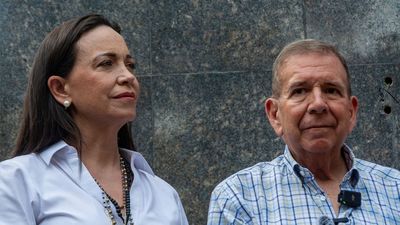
(132, 66)
(106, 63)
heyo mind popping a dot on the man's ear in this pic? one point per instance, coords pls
(272, 112)
(58, 88)
(353, 112)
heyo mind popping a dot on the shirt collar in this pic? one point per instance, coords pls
(137, 160)
(352, 176)
(61, 148)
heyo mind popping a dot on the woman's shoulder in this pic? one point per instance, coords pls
(33, 161)
(146, 174)
(156, 180)
(23, 162)
(20, 171)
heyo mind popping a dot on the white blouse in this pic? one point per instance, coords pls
(54, 187)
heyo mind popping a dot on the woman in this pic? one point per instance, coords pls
(72, 161)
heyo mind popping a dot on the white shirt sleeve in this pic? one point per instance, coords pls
(16, 198)
(183, 217)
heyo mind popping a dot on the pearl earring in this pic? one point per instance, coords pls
(66, 104)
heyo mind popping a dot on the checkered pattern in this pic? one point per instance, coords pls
(283, 192)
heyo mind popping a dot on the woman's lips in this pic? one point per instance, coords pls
(125, 95)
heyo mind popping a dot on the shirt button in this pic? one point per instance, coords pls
(322, 198)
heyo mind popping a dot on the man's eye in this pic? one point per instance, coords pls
(298, 91)
(333, 91)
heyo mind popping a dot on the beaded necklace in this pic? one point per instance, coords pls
(125, 215)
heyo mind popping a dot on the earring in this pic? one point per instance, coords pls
(66, 104)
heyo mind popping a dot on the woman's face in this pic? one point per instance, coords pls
(102, 84)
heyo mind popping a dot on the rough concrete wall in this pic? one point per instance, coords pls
(205, 70)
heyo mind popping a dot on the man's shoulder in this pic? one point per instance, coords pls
(376, 171)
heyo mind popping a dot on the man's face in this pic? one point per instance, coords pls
(314, 112)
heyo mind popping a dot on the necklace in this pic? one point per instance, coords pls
(125, 215)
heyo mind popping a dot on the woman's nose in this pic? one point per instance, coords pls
(126, 77)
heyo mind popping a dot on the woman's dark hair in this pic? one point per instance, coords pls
(44, 120)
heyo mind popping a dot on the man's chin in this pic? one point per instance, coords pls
(317, 132)
(321, 146)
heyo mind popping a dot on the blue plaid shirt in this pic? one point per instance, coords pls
(283, 192)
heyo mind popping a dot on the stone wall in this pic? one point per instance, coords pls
(205, 70)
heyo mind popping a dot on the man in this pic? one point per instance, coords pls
(317, 180)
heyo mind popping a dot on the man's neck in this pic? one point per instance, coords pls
(324, 167)
(328, 171)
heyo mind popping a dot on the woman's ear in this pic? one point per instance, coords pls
(59, 89)
(272, 112)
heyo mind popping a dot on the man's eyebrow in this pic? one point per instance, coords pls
(296, 84)
(330, 82)
(335, 84)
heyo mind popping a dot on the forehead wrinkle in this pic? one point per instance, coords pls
(294, 66)
(94, 41)
(80, 52)
(107, 54)
(325, 81)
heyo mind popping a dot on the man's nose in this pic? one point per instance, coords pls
(317, 102)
